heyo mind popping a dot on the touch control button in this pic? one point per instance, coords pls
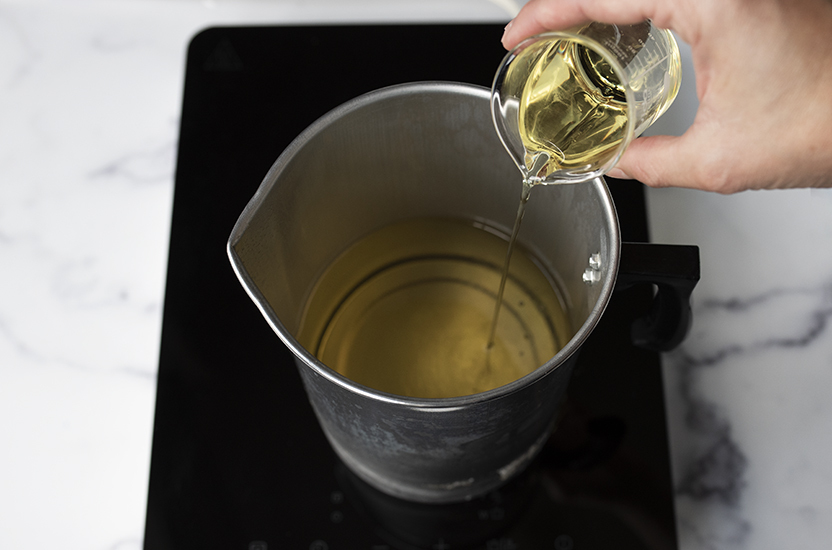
(564, 542)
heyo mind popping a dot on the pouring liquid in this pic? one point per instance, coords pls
(412, 309)
(572, 115)
(521, 209)
(572, 110)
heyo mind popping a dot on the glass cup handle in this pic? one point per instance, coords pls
(674, 270)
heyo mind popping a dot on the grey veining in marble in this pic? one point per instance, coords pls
(749, 390)
(90, 95)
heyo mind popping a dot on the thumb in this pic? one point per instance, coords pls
(658, 161)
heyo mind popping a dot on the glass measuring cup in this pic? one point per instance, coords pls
(567, 104)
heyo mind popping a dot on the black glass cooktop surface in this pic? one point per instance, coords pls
(239, 461)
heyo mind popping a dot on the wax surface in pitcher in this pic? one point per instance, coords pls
(407, 310)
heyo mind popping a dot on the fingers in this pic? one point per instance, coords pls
(541, 15)
(658, 161)
(687, 161)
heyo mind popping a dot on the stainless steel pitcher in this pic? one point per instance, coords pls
(419, 150)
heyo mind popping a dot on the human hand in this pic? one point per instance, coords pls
(763, 78)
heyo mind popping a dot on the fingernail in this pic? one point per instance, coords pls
(618, 173)
(505, 30)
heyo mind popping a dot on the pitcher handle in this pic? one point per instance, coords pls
(674, 270)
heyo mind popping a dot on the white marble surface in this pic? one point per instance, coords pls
(90, 94)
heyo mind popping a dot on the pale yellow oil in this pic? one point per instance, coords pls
(407, 310)
(572, 109)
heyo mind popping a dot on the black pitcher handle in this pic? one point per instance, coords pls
(674, 270)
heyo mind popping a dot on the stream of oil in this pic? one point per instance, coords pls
(518, 220)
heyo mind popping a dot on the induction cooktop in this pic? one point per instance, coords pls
(238, 460)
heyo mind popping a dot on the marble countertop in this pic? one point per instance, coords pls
(90, 93)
